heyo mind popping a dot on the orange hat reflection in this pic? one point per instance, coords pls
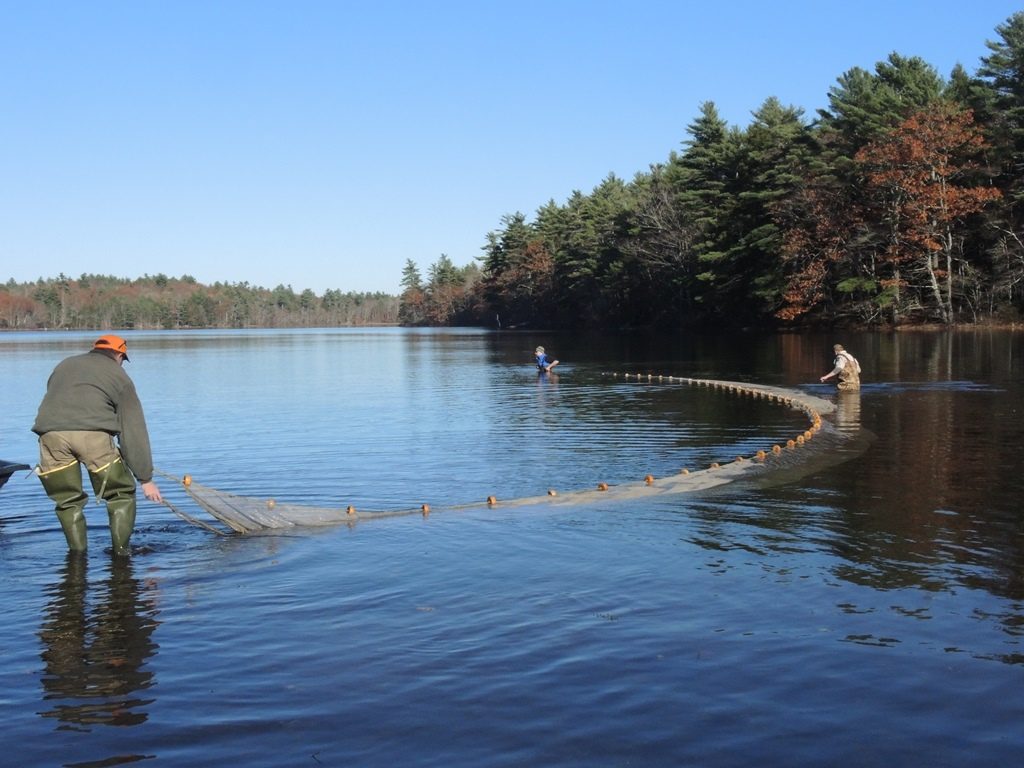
(113, 343)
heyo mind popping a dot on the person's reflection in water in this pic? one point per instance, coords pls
(95, 650)
(547, 378)
(848, 411)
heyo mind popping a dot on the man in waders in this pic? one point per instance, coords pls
(89, 401)
(846, 368)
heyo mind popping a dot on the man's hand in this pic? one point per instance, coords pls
(151, 492)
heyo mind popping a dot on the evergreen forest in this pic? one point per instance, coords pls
(900, 203)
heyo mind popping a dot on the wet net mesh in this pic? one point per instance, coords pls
(249, 514)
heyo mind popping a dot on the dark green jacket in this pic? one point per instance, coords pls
(92, 392)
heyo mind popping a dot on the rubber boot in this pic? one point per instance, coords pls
(64, 486)
(116, 486)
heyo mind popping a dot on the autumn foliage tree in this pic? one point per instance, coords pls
(917, 178)
(820, 227)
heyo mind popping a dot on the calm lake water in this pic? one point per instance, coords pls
(860, 604)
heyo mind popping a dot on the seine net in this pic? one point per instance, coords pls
(249, 514)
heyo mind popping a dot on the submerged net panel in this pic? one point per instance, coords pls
(246, 514)
(249, 514)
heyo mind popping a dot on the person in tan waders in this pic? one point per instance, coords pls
(846, 368)
(89, 402)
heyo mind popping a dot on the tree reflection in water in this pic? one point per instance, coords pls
(96, 647)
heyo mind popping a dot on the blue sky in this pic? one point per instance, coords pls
(321, 144)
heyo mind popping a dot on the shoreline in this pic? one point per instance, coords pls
(1003, 325)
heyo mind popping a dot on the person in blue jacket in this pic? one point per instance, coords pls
(543, 362)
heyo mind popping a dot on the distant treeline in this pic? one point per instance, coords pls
(101, 301)
(903, 202)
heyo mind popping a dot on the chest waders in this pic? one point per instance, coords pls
(849, 377)
(113, 483)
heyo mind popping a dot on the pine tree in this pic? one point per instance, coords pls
(1003, 71)
(775, 154)
(705, 177)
